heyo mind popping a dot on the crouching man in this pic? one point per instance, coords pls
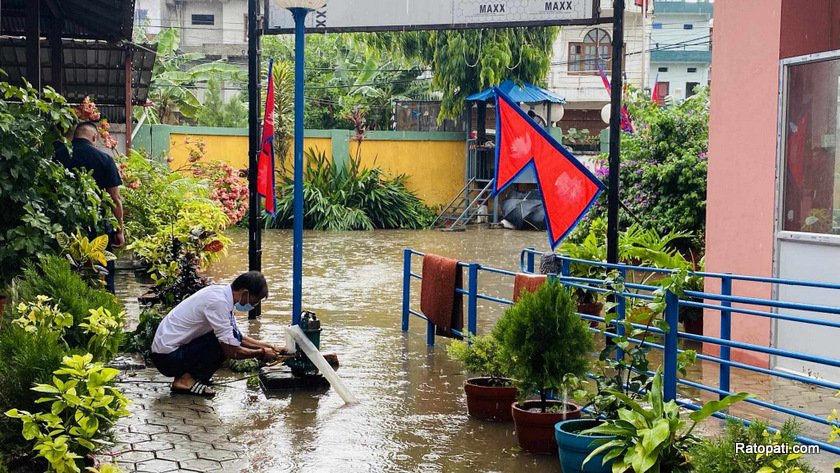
(198, 335)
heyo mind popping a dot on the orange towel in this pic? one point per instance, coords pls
(439, 301)
(526, 282)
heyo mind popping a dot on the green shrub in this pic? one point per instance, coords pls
(27, 358)
(481, 356)
(38, 196)
(717, 455)
(351, 197)
(54, 278)
(82, 407)
(140, 340)
(543, 340)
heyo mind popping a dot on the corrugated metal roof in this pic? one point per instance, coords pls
(527, 93)
(110, 20)
(94, 68)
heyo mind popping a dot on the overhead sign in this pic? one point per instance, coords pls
(385, 15)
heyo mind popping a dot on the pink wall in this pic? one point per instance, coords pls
(742, 156)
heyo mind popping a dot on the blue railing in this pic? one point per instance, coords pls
(670, 339)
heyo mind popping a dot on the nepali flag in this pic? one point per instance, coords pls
(654, 92)
(567, 188)
(626, 124)
(265, 165)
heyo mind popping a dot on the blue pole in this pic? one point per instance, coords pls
(406, 289)
(725, 333)
(672, 315)
(299, 15)
(621, 313)
(472, 299)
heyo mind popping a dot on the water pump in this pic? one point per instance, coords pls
(300, 363)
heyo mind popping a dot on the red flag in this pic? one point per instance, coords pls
(265, 165)
(654, 93)
(626, 124)
(568, 189)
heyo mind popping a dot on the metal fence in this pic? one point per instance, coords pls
(720, 304)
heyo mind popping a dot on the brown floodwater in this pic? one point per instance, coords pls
(412, 412)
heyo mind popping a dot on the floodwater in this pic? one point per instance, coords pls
(412, 411)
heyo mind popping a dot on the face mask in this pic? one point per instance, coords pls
(243, 307)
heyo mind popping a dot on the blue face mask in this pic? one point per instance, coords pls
(243, 307)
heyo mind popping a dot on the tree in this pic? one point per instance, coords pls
(175, 75)
(216, 112)
(464, 62)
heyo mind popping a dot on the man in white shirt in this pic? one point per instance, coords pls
(196, 337)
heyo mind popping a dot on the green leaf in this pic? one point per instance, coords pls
(713, 407)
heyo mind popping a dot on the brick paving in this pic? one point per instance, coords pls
(170, 433)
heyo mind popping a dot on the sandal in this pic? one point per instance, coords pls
(197, 389)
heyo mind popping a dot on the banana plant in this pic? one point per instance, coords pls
(652, 437)
(175, 75)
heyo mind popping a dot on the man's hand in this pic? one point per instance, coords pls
(119, 239)
(268, 355)
(282, 350)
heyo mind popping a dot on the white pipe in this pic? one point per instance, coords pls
(140, 123)
(321, 363)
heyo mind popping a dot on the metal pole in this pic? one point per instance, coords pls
(672, 311)
(725, 334)
(406, 307)
(615, 131)
(297, 246)
(254, 244)
(128, 102)
(472, 299)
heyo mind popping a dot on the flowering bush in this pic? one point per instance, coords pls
(228, 187)
(663, 165)
(87, 111)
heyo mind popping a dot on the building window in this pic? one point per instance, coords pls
(811, 186)
(204, 20)
(688, 26)
(689, 88)
(585, 56)
(662, 69)
(692, 70)
(141, 15)
(657, 25)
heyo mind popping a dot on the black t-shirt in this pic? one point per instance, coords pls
(85, 155)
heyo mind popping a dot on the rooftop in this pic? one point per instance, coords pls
(665, 6)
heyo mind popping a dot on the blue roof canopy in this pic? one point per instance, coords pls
(527, 93)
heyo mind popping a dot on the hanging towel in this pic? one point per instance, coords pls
(526, 282)
(439, 301)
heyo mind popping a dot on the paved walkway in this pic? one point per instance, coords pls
(170, 433)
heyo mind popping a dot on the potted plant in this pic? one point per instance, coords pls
(574, 446)
(543, 342)
(489, 396)
(651, 436)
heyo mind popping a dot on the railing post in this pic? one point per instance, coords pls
(725, 334)
(430, 333)
(406, 302)
(472, 299)
(565, 267)
(621, 313)
(530, 261)
(672, 310)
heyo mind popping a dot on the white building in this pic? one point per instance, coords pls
(215, 28)
(680, 46)
(574, 72)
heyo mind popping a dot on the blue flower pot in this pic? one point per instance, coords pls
(574, 447)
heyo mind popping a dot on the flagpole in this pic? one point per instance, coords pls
(615, 131)
(297, 222)
(254, 243)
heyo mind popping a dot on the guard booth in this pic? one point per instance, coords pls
(472, 203)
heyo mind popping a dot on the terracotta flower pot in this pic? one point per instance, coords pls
(591, 308)
(488, 402)
(535, 429)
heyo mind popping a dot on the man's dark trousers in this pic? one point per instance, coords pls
(200, 358)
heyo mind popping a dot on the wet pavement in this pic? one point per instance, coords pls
(412, 414)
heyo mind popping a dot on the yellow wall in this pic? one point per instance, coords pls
(435, 167)
(230, 148)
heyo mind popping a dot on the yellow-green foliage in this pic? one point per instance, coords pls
(481, 355)
(82, 407)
